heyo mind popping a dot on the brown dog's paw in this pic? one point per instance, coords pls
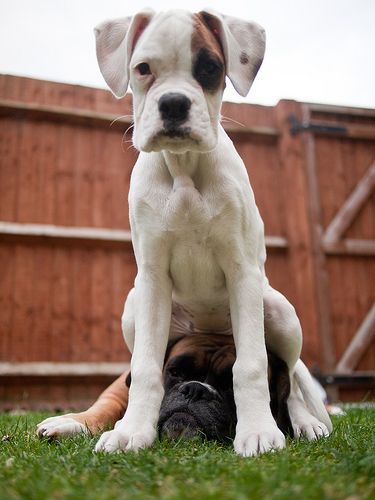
(64, 425)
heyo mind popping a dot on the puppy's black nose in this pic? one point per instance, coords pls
(195, 391)
(174, 107)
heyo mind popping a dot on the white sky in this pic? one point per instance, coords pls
(317, 50)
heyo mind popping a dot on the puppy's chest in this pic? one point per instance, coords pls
(187, 212)
(192, 220)
(195, 271)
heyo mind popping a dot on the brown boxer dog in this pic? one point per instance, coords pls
(198, 397)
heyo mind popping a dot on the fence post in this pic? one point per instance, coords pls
(301, 202)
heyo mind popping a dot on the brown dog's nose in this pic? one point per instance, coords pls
(174, 108)
(195, 391)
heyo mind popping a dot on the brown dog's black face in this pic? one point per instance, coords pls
(199, 389)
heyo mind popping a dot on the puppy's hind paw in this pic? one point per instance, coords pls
(310, 430)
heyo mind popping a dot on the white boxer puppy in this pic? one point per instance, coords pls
(197, 234)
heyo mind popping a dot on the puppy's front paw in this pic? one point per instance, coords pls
(249, 444)
(122, 438)
(63, 425)
(310, 428)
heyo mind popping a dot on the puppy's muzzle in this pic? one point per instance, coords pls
(174, 110)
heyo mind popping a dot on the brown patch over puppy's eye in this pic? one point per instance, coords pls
(208, 70)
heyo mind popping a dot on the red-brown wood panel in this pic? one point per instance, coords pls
(7, 263)
(63, 330)
(262, 163)
(42, 291)
(10, 138)
(22, 327)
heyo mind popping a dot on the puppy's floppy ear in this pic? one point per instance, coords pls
(243, 44)
(115, 42)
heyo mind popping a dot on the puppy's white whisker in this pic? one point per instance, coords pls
(231, 120)
(130, 117)
(123, 143)
(129, 128)
(124, 140)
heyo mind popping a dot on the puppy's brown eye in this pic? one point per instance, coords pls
(143, 69)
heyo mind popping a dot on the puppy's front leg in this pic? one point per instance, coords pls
(153, 302)
(256, 430)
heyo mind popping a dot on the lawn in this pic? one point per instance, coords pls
(342, 466)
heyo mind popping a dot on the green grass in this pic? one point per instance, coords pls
(342, 466)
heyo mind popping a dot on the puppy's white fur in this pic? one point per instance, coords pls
(197, 234)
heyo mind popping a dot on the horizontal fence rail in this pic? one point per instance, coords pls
(80, 117)
(49, 369)
(89, 234)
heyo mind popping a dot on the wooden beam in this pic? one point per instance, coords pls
(48, 369)
(51, 232)
(354, 247)
(355, 379)
(271, 132)
(333, 129)
(87, 118)
(83, 117)
(341, 110)
(349, 131)
(358, 345)
(276, 242)
(352, 205)
(319, 259)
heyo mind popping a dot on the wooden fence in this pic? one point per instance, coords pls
(66, 258)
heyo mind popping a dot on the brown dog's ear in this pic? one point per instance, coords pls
(115, 42)
(243, 44)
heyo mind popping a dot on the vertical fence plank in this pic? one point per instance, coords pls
(7, 265)
(319, 262)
